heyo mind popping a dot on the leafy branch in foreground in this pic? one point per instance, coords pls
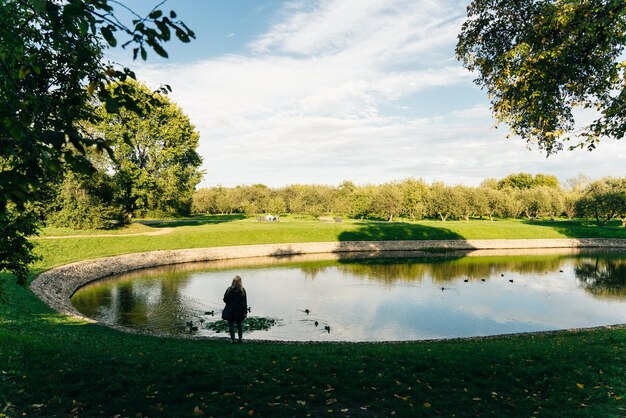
(544, 63)
(51, 69)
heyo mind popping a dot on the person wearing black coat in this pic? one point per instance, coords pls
(236, 308)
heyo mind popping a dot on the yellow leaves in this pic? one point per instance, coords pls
(580, 385)
(427, 405)
(197, 411)
(250, 412)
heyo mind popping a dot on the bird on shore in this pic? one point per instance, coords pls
(209, 313)
(560, 271)
(249, 309)
(327, 328)
(201, 321)
(316, 323)
(466, 280)
(307, 311)
(510, 280)
(482, 280)
(502, 275)
(443, 288)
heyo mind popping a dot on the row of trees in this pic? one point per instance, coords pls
(515, 196)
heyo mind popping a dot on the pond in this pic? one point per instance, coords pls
(389, 297)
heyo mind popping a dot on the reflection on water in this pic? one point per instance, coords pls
(603, 277)
(392, 296)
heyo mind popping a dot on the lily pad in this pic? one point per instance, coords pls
(252, 323)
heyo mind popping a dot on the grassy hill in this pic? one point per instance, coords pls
(52, 365)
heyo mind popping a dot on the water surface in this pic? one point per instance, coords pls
(386, 298)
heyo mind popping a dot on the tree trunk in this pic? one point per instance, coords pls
(491, 216)
(443, 217)
(390, 218)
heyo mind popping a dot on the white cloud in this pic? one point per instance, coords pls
(341, 89)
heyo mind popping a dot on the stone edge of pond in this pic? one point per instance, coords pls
(56, 286)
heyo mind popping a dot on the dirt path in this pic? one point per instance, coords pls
(161, 231)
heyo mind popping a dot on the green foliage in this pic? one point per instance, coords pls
(542, 60)
(86, 202)
(527, 181)
(154, 161)
(51, 68)
(15, 249)
(605, 199)
(252, 323)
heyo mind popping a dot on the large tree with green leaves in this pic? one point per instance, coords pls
(155, 165)
(542, 60)
(51, 68)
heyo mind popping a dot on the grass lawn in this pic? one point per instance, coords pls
(52, 365)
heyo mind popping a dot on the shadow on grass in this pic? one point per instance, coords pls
(581, 228)
(191, 220)
(392, 231)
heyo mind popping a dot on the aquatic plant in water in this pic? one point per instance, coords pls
(252, 323)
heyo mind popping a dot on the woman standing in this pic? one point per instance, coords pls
(236, 308)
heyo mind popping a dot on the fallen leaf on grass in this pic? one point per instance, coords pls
(580, 385)
(198, 411)
(427, 405)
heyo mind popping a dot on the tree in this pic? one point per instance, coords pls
(51, 66)
(443, 201)
(542, 60)
(341, 197)
(517, 181)
(604, 199)
(526, 181)
(536, 201)
(276, 205)
(203, 201)
(387, 201)
(494, 201)
(414, 198)
(155, 164)
(86, 202)
(361, 202)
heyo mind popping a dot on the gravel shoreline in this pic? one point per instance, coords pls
(56, 286)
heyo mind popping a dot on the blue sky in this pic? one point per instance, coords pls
(323, 91)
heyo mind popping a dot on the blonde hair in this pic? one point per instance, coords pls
(236, 284)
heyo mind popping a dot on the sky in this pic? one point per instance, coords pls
(322, 91)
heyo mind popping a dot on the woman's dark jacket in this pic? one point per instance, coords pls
(236, 308)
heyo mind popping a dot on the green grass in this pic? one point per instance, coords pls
(52, 365)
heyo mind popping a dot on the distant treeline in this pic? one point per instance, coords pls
(515, 196)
